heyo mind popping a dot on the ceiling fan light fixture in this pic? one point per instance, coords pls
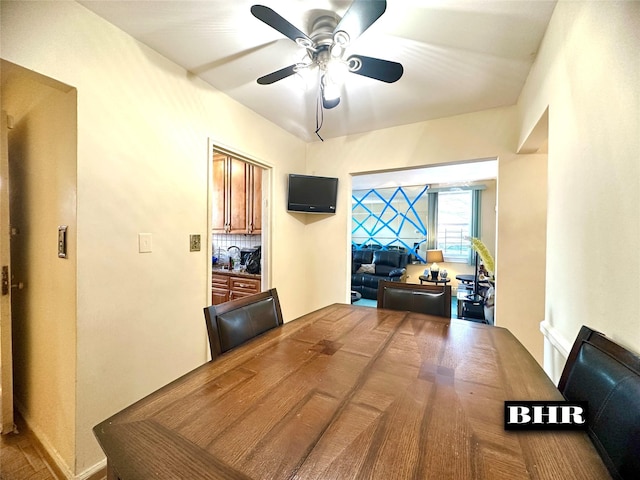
(306, 43)
(341, 40)
(336, 71)
(330, 90)
(307, 74)
(337, 50)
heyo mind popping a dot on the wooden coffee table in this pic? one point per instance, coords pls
(424, 278)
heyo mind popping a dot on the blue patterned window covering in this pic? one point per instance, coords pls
(390, 218)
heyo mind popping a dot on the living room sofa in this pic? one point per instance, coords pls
(369, 266)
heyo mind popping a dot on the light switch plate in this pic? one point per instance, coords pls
(62, 241)
(145, 243)
(194, 243)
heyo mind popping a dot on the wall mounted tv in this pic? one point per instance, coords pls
(312, 194)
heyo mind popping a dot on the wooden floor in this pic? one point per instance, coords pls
(21, 457)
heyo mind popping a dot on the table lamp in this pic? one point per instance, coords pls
(433, 257)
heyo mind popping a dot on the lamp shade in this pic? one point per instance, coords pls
(434, 256)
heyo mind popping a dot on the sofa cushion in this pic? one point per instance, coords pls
(383, 270)
(367, 268)
(365, 280)
(362, 256)
(392, 259)
(397, 272)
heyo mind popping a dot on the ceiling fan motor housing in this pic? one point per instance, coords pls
(322, 30)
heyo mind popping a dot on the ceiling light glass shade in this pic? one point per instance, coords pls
(336, 71)
(331, 91)
(337, 50)
(307, 76)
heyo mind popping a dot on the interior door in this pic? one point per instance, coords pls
(6, 361)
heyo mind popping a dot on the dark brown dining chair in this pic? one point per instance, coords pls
(429, 299)
(607, 375)
(232, 323)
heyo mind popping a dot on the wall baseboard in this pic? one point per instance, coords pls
(556, 350)
(61, 469)
(96, 472)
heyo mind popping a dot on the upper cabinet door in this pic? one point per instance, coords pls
(255, 201)
(218, 201)
(237, 196)
(237, 176)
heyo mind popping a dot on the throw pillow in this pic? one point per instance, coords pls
(367, 268)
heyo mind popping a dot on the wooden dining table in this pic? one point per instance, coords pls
(350, 392)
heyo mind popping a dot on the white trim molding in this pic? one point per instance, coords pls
(556, 350)
(97, 471)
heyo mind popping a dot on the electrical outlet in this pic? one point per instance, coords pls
(194, 243)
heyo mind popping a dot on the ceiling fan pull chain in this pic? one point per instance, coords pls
(319, 115)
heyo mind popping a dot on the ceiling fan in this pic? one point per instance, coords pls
(326, 47)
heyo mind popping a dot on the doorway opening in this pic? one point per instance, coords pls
(420, 210)
(239, 219)
(41, 187)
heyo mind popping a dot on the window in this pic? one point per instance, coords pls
(453, 218)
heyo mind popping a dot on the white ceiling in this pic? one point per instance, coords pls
(458, 56)
(458, 174)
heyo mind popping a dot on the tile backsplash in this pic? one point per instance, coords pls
(224, 240)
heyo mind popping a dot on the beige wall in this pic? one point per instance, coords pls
(143, 130)
(587, 75)
(522, 218)
(486, 134)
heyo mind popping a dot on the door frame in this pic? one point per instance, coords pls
(267, 188)
(7, 424)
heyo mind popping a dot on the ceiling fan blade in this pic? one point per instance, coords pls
(376, 68)
(360, 16)
(277, 75)
(275, 21)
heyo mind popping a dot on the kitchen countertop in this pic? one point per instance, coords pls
(234, 273)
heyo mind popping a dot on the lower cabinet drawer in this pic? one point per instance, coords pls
(234, 294)
(241, 285)
(220, 281)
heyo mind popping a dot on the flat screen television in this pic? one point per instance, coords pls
(312, 194)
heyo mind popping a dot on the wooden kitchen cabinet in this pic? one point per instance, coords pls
(255, 200)
(237, 196)
(219, 289)
(243, 287)
(225, 286)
